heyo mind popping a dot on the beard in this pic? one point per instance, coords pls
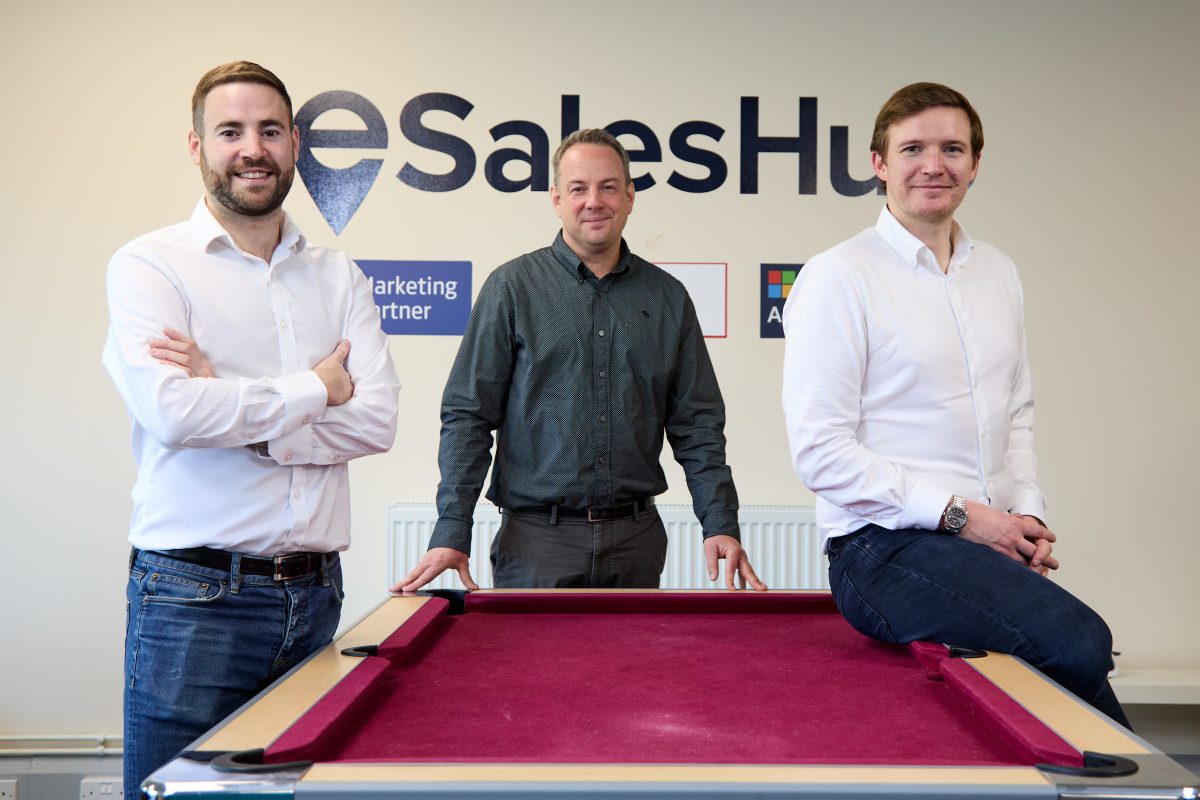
(257, 204)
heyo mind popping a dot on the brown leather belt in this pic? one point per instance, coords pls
(281, 568)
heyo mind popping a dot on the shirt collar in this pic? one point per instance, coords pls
(913, 250)
(206, 230)
(568, 258)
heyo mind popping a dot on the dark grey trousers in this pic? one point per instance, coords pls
(532, 552)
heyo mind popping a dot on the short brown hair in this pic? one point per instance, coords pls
(915, 98)
(591, 136)
(234, 72)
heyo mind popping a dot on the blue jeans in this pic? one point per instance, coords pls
(908, 585)
(200, 642)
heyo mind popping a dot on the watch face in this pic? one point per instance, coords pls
(956, 518)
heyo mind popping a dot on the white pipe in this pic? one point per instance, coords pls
(61, 737)
(50, 745)
(61, 751)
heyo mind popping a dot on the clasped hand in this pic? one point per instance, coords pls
(1019, 536)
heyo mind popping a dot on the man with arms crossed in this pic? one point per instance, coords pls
(253, 367)
(910, 415)
(582, 355)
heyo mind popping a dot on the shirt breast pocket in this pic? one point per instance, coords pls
(646, 344)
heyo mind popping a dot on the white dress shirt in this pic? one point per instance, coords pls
(201, 481)
(904, 386)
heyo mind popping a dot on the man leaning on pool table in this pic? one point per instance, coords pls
(910, 415)
(582, 358)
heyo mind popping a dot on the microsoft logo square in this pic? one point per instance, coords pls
(779, 282)
(776, 281)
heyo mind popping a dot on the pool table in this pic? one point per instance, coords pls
(639, 694)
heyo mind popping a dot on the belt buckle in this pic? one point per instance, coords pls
(277, 562)
(590, 518)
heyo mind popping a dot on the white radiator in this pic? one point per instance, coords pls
(782, 543)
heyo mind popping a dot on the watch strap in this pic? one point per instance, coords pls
(954, 518)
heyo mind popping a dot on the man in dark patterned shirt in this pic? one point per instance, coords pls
(582, 356)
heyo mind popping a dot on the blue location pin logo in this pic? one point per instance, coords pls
(339, 192)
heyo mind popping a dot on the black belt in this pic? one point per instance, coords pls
(281, 568)
(595, 513)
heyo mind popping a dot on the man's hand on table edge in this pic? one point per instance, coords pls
(722, 546)
(436, 561)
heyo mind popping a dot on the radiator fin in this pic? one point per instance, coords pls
(782, 542)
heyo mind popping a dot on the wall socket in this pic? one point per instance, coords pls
(106, 788)
(8, 789)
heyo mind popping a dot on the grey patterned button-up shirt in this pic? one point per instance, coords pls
(581, 377)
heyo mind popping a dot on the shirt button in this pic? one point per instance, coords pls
(304, 421)
(283, 323)
(600, 460)
(602, 418)
(288, 457)
(296, 495)
(601, 331)
(603, 374)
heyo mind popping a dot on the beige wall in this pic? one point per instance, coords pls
(1088, 181)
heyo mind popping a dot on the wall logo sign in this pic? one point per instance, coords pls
(420, 297)
(777, 282)
(706, 158)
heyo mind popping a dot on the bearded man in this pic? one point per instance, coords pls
(254, 368)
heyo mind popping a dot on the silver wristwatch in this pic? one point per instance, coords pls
(954, 518)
